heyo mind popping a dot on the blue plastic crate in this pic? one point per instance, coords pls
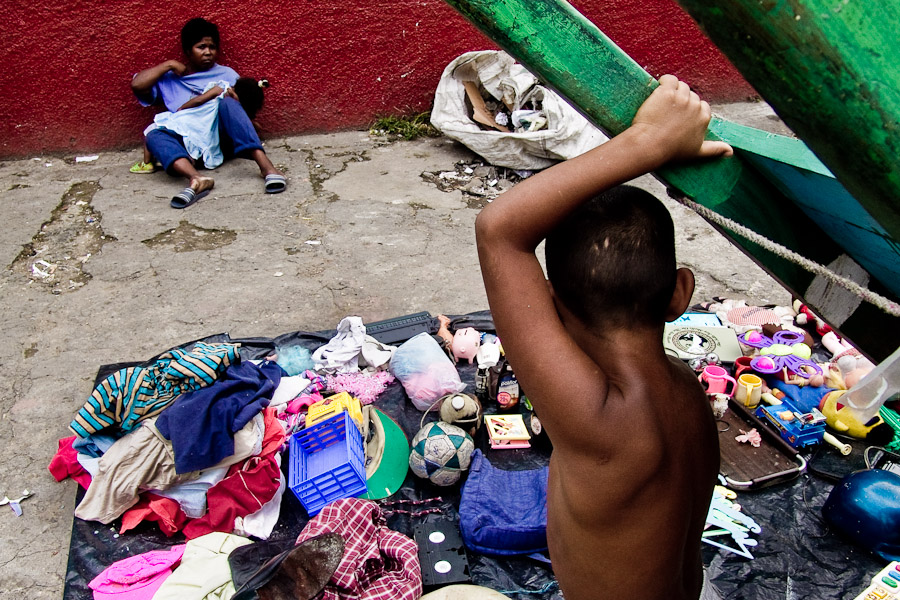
(327, 462)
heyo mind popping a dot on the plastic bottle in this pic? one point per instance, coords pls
(866, 397)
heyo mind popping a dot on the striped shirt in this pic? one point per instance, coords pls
(132, 394)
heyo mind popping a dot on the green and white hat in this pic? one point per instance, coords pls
(387, 454)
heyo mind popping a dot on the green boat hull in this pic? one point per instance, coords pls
(831, 70)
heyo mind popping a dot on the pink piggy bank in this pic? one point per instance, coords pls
(465, 343)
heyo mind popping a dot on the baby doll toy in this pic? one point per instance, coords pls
(853, 366)
(444, 332)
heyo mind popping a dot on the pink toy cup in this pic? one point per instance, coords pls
(717, 380)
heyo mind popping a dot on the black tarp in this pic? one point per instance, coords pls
(796, 558)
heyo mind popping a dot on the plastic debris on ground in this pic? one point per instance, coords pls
(476, 180)
(14, 504)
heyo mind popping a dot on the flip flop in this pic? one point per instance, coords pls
(142, 168)
(275, 184)
(186, 197)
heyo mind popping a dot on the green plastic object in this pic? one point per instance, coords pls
(394, 464)
(893, 419)
(829, 68)
(571, 55)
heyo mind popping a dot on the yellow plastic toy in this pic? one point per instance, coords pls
(842, 420)
(333, 405)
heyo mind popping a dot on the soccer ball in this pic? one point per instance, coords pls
(440, 453)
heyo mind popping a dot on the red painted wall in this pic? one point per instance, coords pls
(333, 64)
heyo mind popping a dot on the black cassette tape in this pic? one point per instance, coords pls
(441, 553)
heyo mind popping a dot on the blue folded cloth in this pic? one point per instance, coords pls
(503, 512)
(201, 424)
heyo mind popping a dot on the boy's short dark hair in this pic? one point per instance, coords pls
(195, 30)
(612, 261)
(250, 95)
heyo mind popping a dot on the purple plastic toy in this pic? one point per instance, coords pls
(784, 350)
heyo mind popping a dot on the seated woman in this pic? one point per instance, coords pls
(197, 122)
(174, 84)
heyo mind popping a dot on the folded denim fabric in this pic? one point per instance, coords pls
(503, 513)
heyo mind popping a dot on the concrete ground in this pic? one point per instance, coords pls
(99, 269)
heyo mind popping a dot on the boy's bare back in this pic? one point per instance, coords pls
(635, 448)
(627, 503)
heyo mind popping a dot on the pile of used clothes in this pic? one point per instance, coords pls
(193, 439)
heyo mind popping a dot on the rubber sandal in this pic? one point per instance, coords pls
(186, 197)
(142, 168)
(275, 184)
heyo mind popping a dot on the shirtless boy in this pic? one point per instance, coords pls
(635, 448)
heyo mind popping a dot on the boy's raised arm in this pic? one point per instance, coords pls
(670, 125)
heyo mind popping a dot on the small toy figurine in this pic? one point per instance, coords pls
(807, 317)
(465, 343)
(444, 331)
(831, 377)
(719, 404)
(853, 366)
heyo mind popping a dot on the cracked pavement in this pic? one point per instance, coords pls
(124, 277)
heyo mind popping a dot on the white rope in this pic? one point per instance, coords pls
(885, 304)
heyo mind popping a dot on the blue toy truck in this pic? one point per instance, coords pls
(796, 428)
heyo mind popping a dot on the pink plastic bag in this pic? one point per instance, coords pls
(426, 372)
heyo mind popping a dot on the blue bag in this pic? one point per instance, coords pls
(503, 513)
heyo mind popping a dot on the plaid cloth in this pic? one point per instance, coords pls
(378, 563)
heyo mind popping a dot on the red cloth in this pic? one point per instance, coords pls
(65, 464)
(151, 507)
(246, 488)
(273, 438)
(378, 563)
